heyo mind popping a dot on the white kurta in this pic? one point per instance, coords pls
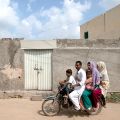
(76, 94)
(72, 80)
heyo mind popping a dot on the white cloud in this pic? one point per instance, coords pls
(10, 23)
(8, 17)
(50, 23)
(29, 26)
(64, 22)
(24, 29)
(108, 4)
(5, 34)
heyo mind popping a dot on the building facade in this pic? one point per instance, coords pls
(105, 26)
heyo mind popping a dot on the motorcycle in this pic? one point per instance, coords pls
(52, 105)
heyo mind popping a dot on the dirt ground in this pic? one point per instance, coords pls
(24, 109)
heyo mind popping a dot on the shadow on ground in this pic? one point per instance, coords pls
(68, 112)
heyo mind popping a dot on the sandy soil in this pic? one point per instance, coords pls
(24, 109)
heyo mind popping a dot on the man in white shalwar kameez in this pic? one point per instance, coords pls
(79, 87)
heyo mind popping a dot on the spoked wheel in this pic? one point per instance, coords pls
(97, 110)
(50, 107)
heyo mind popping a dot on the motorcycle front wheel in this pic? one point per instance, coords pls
(51, 107)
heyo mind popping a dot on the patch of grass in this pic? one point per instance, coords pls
(113, 97)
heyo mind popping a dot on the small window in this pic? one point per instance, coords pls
(86, 35)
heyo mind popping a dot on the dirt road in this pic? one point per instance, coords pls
(24, 109)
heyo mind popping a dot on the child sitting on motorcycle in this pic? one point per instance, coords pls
(70, 80)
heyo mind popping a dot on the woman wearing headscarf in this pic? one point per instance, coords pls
(104, 79)
(92, 87)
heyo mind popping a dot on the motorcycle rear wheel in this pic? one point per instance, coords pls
(50, 107)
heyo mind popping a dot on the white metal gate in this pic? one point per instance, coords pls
(38, 69)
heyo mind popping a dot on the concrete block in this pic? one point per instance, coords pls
(36, 98)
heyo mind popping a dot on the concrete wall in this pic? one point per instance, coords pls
(65, 58)
(105, 26)
(99, 43)
(11, 65)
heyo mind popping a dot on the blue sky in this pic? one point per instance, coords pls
(48, 19)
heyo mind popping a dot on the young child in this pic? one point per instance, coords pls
(70, 79)
(89, 79)
(88, 85)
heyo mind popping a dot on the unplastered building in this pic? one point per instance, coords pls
(105, 26)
